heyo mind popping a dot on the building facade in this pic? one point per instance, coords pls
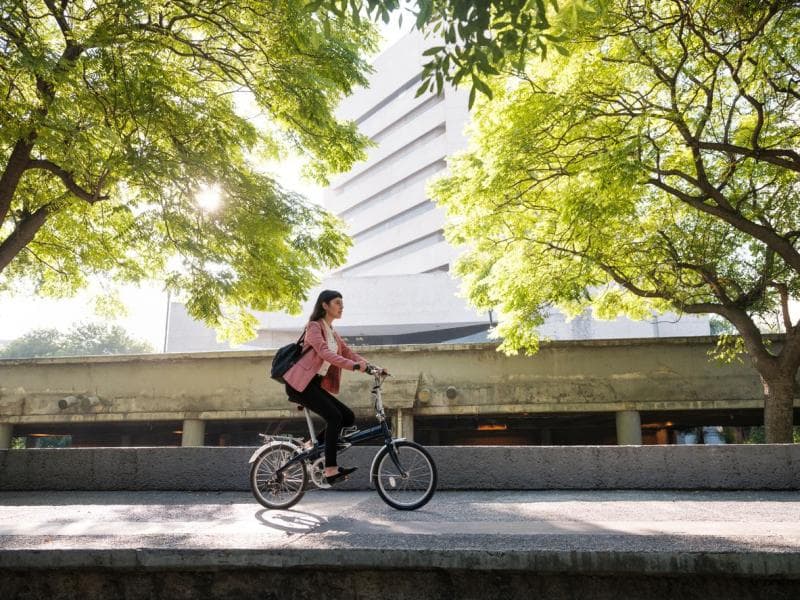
(396, 228)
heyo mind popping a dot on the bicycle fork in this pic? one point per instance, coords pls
(396, 460)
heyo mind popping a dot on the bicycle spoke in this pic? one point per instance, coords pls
(276, 488)
(411, 488)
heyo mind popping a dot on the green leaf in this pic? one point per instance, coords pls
(433, 51)
(425, 11)
(423, 88)
(541, 11)
(482, 87)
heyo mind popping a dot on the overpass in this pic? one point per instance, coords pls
(618, 379)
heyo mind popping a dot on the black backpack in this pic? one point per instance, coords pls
(285, 358)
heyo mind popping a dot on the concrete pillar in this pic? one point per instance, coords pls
(397, 423)
(5, 435)
(194, 432)
(408, 425)
(629, 428)
(403, 424)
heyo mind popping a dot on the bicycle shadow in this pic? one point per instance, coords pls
(290, 521)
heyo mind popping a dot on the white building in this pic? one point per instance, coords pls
(396, 284)
(396, 228)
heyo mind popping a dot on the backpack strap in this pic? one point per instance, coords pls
(301, 341)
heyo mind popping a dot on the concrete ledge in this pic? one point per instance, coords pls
(731, 467)
(736, 564)
(388, 584)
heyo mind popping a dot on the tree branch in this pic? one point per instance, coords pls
(783, 291)
(739, 317)
(69, 181)
(770, 237)
(60, 17)
(763, 361)
(786, 158)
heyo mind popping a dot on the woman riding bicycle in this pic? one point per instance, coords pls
(314, 378)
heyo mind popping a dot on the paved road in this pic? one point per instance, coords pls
(469, 545)
(499, 524)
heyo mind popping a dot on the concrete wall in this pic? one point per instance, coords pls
(775, 467)
(579, 376)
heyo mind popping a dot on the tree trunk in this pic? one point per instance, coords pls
(17, 163)
(22, 235)
(779, 408)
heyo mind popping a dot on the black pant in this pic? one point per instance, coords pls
(336, 414)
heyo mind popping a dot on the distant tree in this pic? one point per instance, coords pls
(85, 339)
(40, 342)
(653, 166)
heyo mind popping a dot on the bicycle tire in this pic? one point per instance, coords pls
(412, 492)
(292, 486)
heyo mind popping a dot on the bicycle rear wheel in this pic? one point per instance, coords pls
(278, 490)
(413, 488)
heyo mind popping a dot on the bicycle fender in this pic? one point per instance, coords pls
(264, 447)
(375, 461)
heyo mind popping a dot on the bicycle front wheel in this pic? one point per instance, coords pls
(273, 489)
(411, 486)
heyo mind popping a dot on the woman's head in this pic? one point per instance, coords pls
(328, 301)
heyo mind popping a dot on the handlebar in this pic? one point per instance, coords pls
(375, 370)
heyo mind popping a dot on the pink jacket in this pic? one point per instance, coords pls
(303, 371)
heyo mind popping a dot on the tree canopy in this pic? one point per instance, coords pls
(83, 339)
(115, 116)
(651, 167)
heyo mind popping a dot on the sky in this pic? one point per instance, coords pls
(146, 305)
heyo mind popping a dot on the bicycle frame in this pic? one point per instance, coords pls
(381, 430)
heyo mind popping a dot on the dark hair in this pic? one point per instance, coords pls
(324, 296)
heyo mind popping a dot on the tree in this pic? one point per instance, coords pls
(85, 339)
(116, 115)
(654, 167)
